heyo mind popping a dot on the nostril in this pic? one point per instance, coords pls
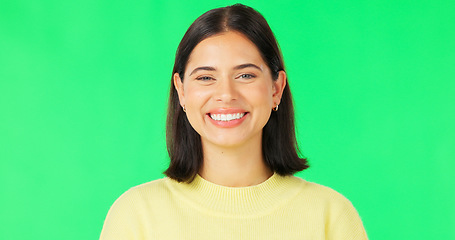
(226, 96)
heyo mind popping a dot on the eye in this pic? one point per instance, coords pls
(205, 78)
(247, 76)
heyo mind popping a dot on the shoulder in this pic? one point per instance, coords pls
(335, 210)
(142, 197)
(149, 191)
(155, 185)
(132, 208)
(324, 193)
(133, 203)
(311, 191)
(323, 199)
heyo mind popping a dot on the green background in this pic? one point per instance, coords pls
(83, 93)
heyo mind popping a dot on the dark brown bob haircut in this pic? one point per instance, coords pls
(279, 144)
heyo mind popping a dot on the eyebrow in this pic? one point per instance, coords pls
(238, 67)
(247, 65)
(207, 68)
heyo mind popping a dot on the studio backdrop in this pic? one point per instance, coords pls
(84, 87)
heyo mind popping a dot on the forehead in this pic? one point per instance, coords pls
(224, 50)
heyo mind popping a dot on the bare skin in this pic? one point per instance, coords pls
(229, 93)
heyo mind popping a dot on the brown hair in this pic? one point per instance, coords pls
(279, 145)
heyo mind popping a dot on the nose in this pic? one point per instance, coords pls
(225, 90)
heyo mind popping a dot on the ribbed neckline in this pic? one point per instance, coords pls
(256, 199)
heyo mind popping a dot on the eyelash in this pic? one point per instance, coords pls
(204, 78)
(247, 76)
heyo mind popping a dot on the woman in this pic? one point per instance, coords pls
(231, 141)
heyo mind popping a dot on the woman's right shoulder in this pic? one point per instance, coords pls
(141, 202)
(149, 192)
(154, 185)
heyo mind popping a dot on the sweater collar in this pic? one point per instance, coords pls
(260, 198)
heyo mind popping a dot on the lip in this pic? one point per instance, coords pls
(227, 124)
(226, 111)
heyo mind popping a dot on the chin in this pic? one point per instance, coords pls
(226, 143)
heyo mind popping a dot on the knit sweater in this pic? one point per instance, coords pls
(279, 208)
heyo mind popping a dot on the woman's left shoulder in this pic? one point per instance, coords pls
(341, 219)
(320, 194)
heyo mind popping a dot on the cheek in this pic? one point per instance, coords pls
(196, 97)
(260, 94)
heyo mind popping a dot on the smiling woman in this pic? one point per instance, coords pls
(233, 150)
(230, 56)
(233, 81)
(236, 83)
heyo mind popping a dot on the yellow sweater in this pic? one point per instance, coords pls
(279, 208)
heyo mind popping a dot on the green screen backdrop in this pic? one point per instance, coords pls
(84, 86)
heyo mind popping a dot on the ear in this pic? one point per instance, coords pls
(178, 84)
(278, 87)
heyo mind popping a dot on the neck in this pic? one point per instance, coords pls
(238, 166)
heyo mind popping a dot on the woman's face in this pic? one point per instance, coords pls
(228, 90)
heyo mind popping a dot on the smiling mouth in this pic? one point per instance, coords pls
(226, 117)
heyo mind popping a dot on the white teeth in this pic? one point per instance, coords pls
(226, 117)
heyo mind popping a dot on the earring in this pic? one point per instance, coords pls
(275, 108)
(184, 109)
